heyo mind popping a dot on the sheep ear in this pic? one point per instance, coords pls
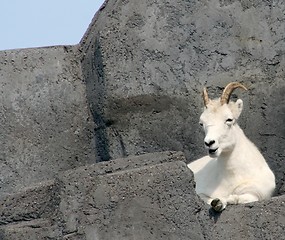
(239, 107)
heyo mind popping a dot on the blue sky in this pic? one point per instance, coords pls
(39, 23)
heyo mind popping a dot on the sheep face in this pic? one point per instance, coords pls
(218, 122)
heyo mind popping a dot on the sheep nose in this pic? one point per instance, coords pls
(210, 143)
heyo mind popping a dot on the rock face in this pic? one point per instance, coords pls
(132, 87)
(144, 197)
(131, 201)
(150, 196)
(45, 123)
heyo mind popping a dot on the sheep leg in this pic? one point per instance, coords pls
(241, 198)
(220, 204)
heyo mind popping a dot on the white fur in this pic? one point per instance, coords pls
(234, 172)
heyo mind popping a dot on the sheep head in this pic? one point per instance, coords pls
(219, 119)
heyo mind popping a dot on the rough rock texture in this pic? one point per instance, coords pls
(29, 214)
(151, 197)
(262, 220)
(45, 121)
(146, 62)
(145, 197)
(132, 86)
(142, 202)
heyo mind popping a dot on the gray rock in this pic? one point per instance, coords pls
(145, 197)
(150, 196)
(30, 213)
(146, 202)
(45, 121)
(40, 229)
(29, 204)
(259, 220)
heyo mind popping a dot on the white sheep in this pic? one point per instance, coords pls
(234, 171)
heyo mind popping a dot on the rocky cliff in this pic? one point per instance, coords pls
(129, 92)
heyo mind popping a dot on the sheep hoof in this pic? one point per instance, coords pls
(217, 205)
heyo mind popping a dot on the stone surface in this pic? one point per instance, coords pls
(45, 121)
(146, 202)
(259, 220)
(145, 197)
(146, 62)
(150, 196)
(32, 203)
(30, 214)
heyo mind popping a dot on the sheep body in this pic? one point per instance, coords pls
(234, 172)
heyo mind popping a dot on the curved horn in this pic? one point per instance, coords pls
(205, 97)
(225, 98)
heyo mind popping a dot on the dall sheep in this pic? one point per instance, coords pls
(234, 171)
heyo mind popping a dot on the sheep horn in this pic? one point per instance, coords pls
(205, 97)
(225, 98)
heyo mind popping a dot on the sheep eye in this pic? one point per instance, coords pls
(201, 124)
